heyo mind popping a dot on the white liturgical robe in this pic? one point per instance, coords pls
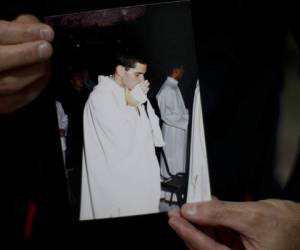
(198, 185)
(120, 171)
(175, 119)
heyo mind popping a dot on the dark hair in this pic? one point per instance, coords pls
(128, 60)
(174, 65)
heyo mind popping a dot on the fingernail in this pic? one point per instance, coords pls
(44, 50)
(46, 34)
(172, 222)
(174, 212)
(189, 209)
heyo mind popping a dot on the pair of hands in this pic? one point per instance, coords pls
(268, 224)
(133, 97)
(25, 51)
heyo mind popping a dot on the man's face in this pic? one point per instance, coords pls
(134, 76)
(77, 82)
(178, 72)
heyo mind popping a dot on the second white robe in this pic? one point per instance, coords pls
(175, 119)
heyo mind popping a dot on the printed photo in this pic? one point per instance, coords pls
(129, 110)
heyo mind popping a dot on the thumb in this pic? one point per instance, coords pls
(232, 215)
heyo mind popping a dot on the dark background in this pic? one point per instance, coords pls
(239, 53)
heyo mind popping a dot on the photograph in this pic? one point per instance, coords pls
(129, 109)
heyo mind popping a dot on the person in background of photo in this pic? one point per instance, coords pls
(87, 81)
(63, 121)
(74, 99)
(175, 119)
(120, 171)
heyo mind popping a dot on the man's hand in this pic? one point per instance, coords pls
(138, 94)
(25, 50)
(130, 101)
(267, 224)
(145, 86)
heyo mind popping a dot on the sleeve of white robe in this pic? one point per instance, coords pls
(170, 112)
(62, 117)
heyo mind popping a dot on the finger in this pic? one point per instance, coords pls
(145, 84)
(15, 80)
(143, 87)
(15, 32)
(233, 215)
(13, 56)
(194, 238)
(10, 103)
(214, 197)
(229, 237)
(174, 212)
(189, 246)
(146, 91)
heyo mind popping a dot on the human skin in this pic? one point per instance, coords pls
(267, 224)
(25, 50)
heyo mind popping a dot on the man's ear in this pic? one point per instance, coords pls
(120, 70)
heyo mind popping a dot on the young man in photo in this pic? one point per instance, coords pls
(120, 171)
